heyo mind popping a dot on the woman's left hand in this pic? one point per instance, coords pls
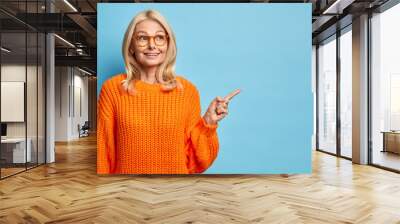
(218, 108)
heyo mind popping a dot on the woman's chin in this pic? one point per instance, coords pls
(151, 63)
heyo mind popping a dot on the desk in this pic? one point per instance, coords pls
(15, 148)
(391, 141)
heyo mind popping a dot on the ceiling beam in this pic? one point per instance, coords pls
(337, 6)
(83, 61)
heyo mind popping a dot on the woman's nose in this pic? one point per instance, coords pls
(152, 45)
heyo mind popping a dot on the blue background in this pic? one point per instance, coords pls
(263, 49)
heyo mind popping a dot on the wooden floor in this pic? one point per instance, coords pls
(5, 172)
(69, 191)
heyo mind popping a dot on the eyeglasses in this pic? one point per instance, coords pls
(144, 40)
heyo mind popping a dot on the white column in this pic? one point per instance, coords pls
(360, 90)
(50, 110)
(50, 92)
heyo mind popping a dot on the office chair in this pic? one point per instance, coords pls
(84, 130)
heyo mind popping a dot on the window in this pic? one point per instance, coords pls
(346, 93)
(385, 88)
(327, 95)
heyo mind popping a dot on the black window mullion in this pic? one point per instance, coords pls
(46, 3)
(37, 89)
(317, 96)
(26, 86)
(0, 95)
(369, 90)
(338, 91)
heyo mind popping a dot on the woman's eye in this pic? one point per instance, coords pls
(160, 37)
(142, 38)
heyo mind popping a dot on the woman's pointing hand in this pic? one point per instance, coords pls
(218, 108)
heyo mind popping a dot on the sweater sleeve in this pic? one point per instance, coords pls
(105, 132)
(202, 138)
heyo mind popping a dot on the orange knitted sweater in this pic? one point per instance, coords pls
(154, 131)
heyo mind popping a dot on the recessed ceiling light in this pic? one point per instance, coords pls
(64, 40)
(84, 71)
(70, 5)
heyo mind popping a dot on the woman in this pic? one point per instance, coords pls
(149, 119)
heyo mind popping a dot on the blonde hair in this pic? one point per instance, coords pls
(165, 74)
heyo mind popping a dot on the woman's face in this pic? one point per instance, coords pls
(149, 43)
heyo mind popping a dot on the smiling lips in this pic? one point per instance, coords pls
(151, 54)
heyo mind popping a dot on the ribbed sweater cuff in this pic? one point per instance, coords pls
(207, 129)
(102, 170)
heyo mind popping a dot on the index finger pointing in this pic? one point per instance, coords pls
(231, 95)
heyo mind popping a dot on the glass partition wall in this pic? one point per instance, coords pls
(334, 116)
(22, 78)
(345, 62)
(334, 90)
(385, 89)
(327, 95)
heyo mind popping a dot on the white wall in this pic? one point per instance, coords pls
(62, 81)
(80, 100)
(71, 92)
(15, 72)
(12, 73)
